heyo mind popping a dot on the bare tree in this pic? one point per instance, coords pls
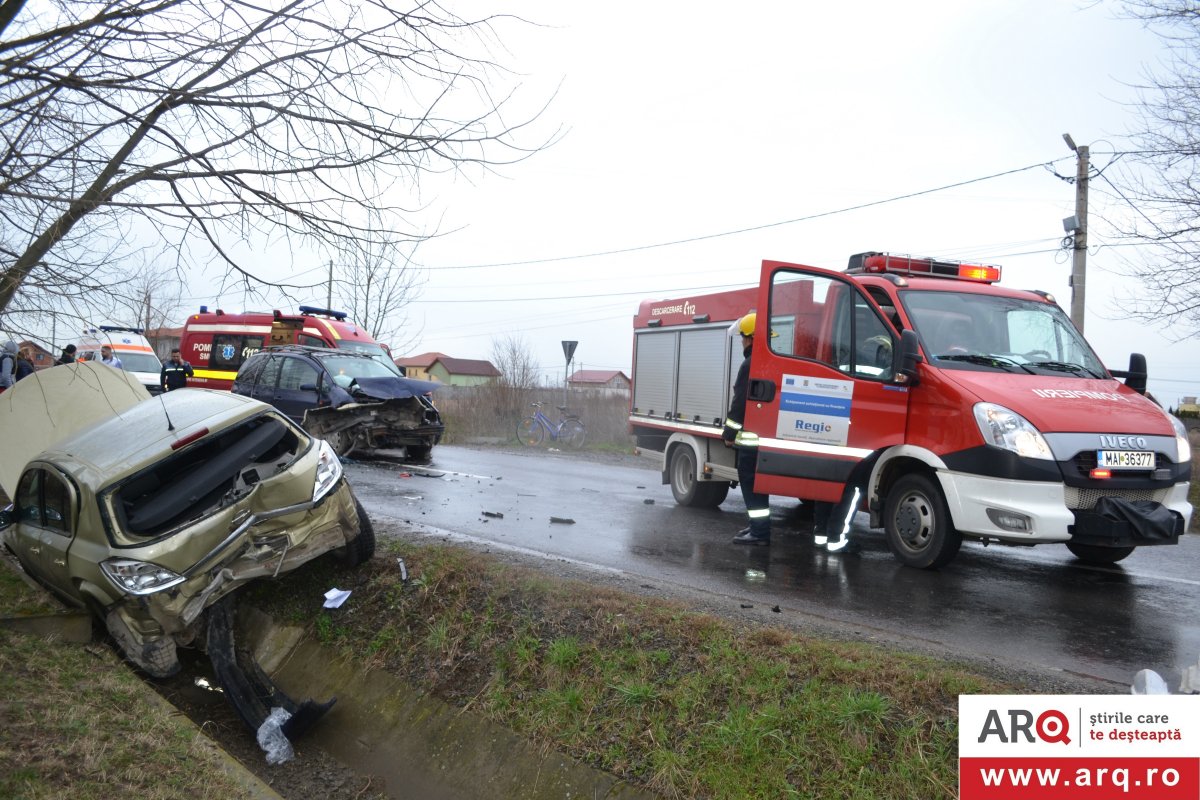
(375, 284)
(222, 126)
(513, 356)
(1160, 181)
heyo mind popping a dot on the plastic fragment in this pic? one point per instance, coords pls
(403, 569)
(493, 514)
(271, 739)
(563, 520)
(1147, 681)
(335, 597)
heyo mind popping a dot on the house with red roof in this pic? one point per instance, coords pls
(600, 381)
(448, 370)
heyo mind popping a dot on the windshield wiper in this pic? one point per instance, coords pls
(998, 362)
(1066, 366)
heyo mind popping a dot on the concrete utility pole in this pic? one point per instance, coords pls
(1079, 256)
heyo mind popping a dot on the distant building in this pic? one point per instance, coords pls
(600, 381)
(42, 358)
(164, 340)
(448, 370)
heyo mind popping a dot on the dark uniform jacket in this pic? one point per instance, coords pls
(737, 406)
(174, 376)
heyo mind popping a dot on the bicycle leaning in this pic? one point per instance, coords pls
(532, 431)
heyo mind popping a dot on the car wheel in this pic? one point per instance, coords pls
(918, 526)
(361, 547)
(341, 442)
(1099, 555)
(417, 453)
(687, 489)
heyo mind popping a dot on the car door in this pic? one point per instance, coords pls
(297, 390)
(822, 395)
(45, 510)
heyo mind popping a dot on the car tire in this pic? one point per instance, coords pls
(686, 488)
(917, 522)
(418, 454)
(341, 442)
(359, 549)
(1092, 554)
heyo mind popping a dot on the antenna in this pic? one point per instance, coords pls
(170, 425)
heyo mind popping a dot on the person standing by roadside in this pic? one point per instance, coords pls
(25, 366)
(745, 443)
(175, 373)
(108, 359)
(8, 365)
(68, 355)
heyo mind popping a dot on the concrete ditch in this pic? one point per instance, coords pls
(421, 746)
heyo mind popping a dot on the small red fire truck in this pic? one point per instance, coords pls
(977, 411)
(217, 343)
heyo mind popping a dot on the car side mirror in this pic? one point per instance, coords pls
(7, 517)
(905, 359)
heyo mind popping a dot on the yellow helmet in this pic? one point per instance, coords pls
(745, 325)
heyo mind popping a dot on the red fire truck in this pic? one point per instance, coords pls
(975, 411)
(217, 343)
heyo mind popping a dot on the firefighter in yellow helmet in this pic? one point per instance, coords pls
(736, 436)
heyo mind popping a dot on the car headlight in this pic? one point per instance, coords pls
(329, 470)
(1002, 427)
(1183, 444)
(139, 577)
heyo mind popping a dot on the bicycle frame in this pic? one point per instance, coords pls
(533, 429)
(551, 428)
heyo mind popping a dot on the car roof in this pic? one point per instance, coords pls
(309, 350)
(143, 434)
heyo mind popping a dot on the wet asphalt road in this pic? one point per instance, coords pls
(1034, 607)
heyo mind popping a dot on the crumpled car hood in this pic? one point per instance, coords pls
(395, 388)
(53, 404)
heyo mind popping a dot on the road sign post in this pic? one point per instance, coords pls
(569, 353)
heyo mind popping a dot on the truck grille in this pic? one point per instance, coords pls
(1086, 499)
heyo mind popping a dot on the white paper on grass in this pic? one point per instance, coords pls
(335, 597)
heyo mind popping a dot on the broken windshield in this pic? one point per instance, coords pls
(965, 330)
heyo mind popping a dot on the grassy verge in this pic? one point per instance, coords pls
(75, 722)
(685, 703)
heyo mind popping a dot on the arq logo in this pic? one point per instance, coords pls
(1051, 727)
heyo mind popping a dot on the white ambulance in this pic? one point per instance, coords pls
(128, 344)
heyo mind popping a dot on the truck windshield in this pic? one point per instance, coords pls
(977, 331)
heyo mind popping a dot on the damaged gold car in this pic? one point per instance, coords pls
(150, 511)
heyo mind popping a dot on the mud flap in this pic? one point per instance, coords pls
(251, 692)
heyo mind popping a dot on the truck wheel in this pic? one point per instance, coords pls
(1098, 555)
(689, 491)
(919, 531)
(361, 547)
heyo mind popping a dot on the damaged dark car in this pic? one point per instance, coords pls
(353, 401)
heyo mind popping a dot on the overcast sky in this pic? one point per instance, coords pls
(684, 121)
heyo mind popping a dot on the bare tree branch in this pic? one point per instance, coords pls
(223, 127)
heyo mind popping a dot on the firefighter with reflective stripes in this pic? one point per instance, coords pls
(746, 443)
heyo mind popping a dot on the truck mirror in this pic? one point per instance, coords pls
(1135, 378)
(905, 359)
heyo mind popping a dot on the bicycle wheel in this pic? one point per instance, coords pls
(572, 434)
(529, 432)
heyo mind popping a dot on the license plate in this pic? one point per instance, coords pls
(1125, 459)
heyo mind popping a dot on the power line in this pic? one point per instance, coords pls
(753, 228)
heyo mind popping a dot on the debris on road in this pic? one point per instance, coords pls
(648, 501)
(403, 570)
(492, 514)
(335, 597)
(563, 520)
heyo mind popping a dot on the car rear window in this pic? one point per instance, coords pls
(208, 475)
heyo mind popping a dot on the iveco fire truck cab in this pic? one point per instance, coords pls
(216, 344)
(976, 411)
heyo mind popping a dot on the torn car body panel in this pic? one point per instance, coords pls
(400, 422)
